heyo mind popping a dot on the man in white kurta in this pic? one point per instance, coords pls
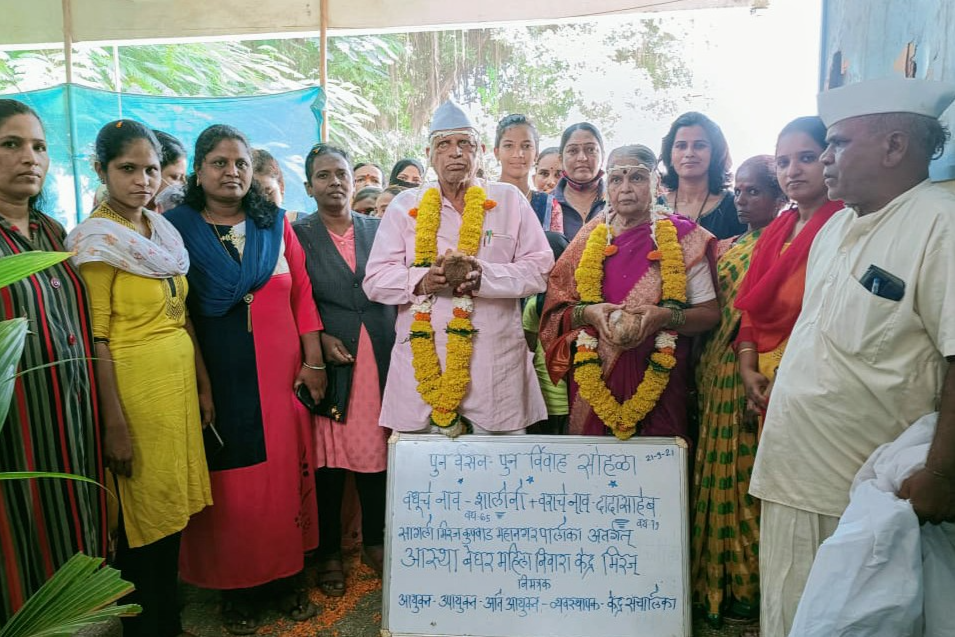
(512, 262)
(869, 353)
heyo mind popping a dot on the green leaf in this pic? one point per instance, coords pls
(25, 475)
(13, 334)
(20, 266)
(80, 593)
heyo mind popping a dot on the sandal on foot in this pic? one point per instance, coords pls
(296, 605)
(238, 620)
(331, 576)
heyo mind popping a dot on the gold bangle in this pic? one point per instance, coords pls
(677, 318)
(746, 349)
(577, 316)
(317, 368)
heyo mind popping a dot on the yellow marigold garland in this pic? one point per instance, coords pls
(444, 391)
(623, 418)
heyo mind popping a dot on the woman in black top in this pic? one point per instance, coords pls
(697, 162)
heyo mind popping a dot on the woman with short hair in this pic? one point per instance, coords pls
(358, 335)
(697, 163)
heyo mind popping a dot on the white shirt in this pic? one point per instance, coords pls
(859, 368)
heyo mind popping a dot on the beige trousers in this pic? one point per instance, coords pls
(789, 539)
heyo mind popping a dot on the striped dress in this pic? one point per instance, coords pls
(51, 426)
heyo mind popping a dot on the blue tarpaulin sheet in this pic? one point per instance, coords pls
(285, 124)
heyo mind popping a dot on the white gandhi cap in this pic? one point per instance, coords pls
(890, 95)
(450, 116)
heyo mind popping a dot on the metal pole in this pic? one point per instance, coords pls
(68, 97)
(68, 40)
(323, 65)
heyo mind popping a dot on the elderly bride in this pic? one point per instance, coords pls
(623, 299)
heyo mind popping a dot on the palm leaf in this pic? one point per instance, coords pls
(13, 334)
(19, 266)
(24, 475)
(79, 594)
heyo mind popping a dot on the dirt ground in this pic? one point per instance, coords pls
(357, 614)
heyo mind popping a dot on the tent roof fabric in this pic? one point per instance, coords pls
(41, 21)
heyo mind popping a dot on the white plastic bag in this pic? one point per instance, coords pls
(880, 574)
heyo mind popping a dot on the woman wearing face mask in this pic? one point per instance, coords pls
(580, 191)
(172, 179)
(52, 423)
(771, 294)
(360, 334)
(134, 264)
(515, 146)
(725, 517)
(697, 163)
(407, 173)
(251, 302)
(634, 283)
(547, 169)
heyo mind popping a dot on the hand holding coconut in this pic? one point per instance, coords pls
(453, 269)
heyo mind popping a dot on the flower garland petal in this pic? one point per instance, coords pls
(445, 391)
(624, 418)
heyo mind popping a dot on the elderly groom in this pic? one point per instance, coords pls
(457, 256)
(870, 352)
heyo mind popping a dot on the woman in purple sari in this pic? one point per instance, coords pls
(622, 302)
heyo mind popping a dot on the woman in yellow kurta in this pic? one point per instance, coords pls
(134, 264)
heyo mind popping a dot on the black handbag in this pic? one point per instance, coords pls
(334, 405)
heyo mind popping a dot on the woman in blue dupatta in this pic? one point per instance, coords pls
(626, 310)
(258, 329)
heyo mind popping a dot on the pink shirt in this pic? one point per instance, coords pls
(504, 394)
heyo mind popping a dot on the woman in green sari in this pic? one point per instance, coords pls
(725, 518)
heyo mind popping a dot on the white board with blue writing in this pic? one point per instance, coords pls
(534, 536)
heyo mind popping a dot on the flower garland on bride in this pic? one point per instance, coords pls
(443, 392)
(623, 418)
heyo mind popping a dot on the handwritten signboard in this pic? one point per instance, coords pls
(530, 536)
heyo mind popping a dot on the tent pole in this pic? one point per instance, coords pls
(323, 65)
(68, 96)
(68, 40)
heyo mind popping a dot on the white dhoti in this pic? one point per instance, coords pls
(789, 540)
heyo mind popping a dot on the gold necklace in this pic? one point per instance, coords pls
(231, 236)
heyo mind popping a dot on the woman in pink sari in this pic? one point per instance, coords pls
(632, 286)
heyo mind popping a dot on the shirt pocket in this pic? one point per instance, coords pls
(860, 322)
(497, 248)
